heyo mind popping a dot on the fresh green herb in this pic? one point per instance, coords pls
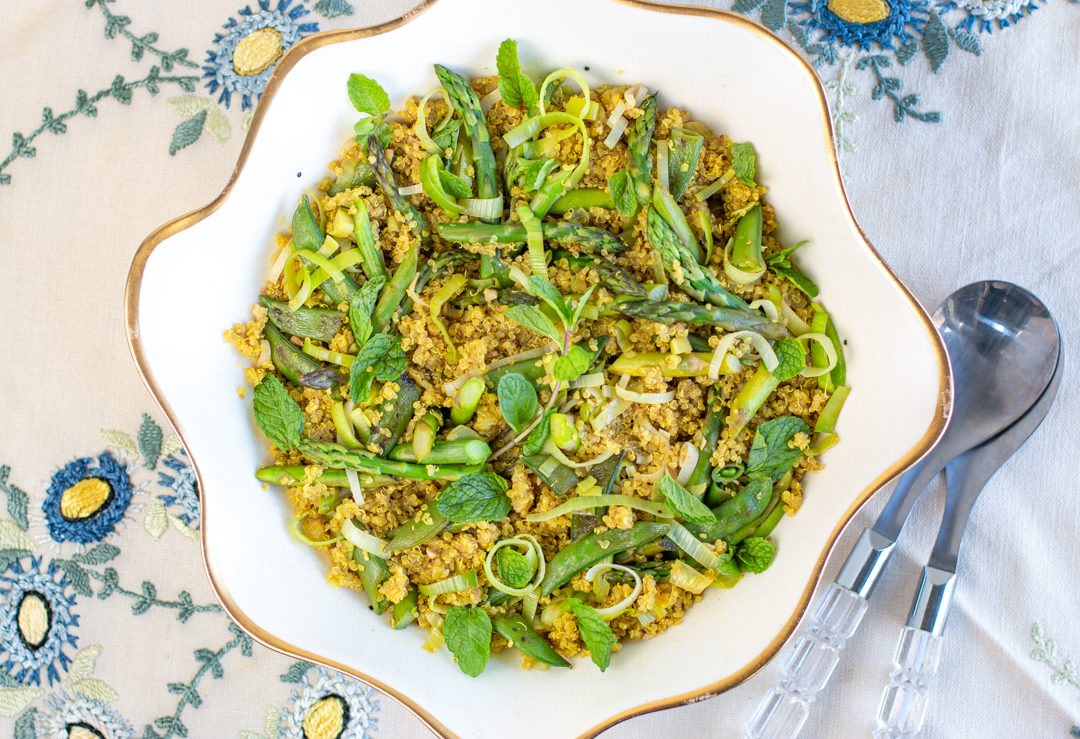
(782, 266)
(517, 400)
(538, 436)
(516, 88)
(770, 453)
(622, 193)
(532, 173)
(380, 129)
(580, 307)
(792, 356)
(684, 149)
(744, 162)
(685, 505)
(455, 186)
(381, 357)
(755, 554)
(278, 415)
(480, 496)
(595, 632)
(467, 631)
(514, 568)
(360, 309)
(367, 96)
(530, 316)
(573, 365)
(547, 292)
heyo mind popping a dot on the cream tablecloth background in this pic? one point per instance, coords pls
(992, 190)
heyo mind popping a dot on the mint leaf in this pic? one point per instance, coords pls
(517, 400)
(797, 278)
(684, 150)
(581, 303)
(530, 96)
(783, 257)
(480, 496)
(514, 569)
(623, 194)
(770, 456)
(467, 631)
(532, 173)
(367, 96)
(685, 505)
(278, 415)
(547, 292)
(516, 88)
(534, 443)
(792, 356)
(381, 357)
(530, 316)
(383, 133)
(455, 186)
(360, 309)
(573, 365)
(363, 129)
(755, 554)
(595, 632)
(744, 162)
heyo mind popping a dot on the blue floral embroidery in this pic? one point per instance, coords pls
(62, 711)
(983, 16)
(220, 68)
(38, 639)
(906, 20)
(100, 523)
(184, 487)
(318, 684)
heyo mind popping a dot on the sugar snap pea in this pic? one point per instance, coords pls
(561, 479)
(583, 554)
(287, 358)
(321, 324)
(515, 629)
(732, 515)
(420, 529)
(373, 572)
(307, 235)
(405, 610)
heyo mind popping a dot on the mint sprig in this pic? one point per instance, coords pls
(517, 400)
(278, 415)
(467, 631)
(381, 357)
(477, 497)
(595, 632)
(683, 504)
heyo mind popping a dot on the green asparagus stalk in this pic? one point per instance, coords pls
(710, 432)
(463, 451)
(665, 205)
(338, 457)
(683, 365)
(308, 236)
(395, 414)
(750, 398)
(295, 474)
(583, 197)
(588, 238)
(639, 144)
(467, 104)
(617, 279)
(695, 280)
(321, 324)
(388, 184)
(393, 295)
(746, 246)
(371, 256)
(670, 311)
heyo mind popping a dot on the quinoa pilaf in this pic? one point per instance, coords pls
(536, 371)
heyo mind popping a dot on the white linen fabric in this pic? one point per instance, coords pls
(990, 191)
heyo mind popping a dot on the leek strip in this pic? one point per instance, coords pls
(692, 546)
(614, 610)
(719, 184)
(361, 539)
(740, 276)
(826, 443)
(768, 307)
(556, 453)
(420, 129)
(325, 355)
(534, 235)
(354, 486)
(447, 291)
(561, 74)
(343, 427)
(455, 584)
(311, 542)
(662, 162)
(483, 207)
(645, 398)
(830, 352)
(687, 578)
(826, 422)
(320, 261)
(278, 266)
(429, 178)
(598, 501)
(703, 219)
(757, 341)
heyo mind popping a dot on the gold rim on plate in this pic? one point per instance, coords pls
(317, 41)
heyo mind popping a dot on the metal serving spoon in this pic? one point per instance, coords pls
(1003, 346)
(903, 704)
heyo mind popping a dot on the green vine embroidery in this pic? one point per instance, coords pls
(148, 599)
(16, 499)
(1046, 650)
(189, 695)
(890, 87)
(139, 44)
(84, 104)
(843, 115)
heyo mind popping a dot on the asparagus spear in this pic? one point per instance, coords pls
(338, 457)
(590, 238)
(710, 432)
(395, 415)
(467, 104)
(639, 144)
(385, 176)
(750, 398)
(583, 197)
(619, 280)
(307, 235)
(293, 474)
(289, 361)
(695, 280)
(393, 294)
(353, 174)
(746, 246)
(670, 311)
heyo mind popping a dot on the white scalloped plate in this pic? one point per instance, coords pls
(733, 75)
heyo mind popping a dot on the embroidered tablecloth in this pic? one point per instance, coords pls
(957, 124)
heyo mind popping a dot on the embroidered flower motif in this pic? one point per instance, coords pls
(87, 500)
(185, 487)
(35, 621)
(860, 23)
(65, 716)
(985, 12)
(329, 706)
(246, 55)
